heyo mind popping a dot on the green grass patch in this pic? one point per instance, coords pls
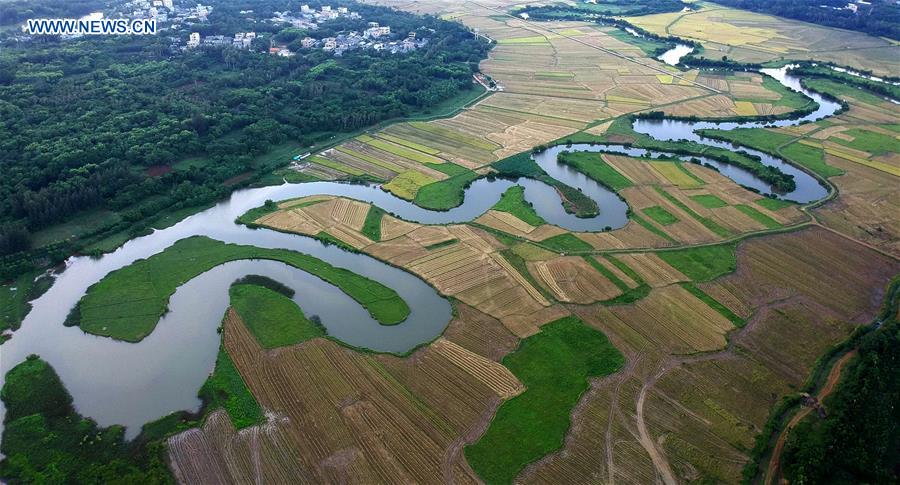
(127, 303)
(226, 389)
(759, 138)
(702, 263)
(870, 141)
(650, 227)
(274, 319)
(708, 223)
(519, 165)
(566, 243)
(843, 91)
(758, 216)
(709, 201)
(372, 226)
(660, 215)
(555, 366)
(715, 305)
(442, 244)
(773, 204)
(449, 168)
(445, 194)
(327, 238)
(513, 201)
(812, 158)
(593, 165)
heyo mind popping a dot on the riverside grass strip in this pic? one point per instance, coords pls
(127, 303)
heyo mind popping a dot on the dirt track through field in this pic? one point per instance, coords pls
(773, 473)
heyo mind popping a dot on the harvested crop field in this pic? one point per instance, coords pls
(371, 419)
(695, 416)
(572, 279)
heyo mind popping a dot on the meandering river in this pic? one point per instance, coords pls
(131, 384)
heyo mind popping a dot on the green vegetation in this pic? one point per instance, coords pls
(650, 227)
(812, 158)
(128, 302)
(46, 441)
(858, 439)
(274, 319)
(566, 243)
(445, 194)
(709, 201)
(773, 204)
(714, 304)
(513, 201)
(442, 244)
(842, 91)
(702, 263)
(449, 168)
(226, 389)
(593, 165)
(372, 226)
(708, 223)
(870, 141)
(15, 297)
(660, 215)
(758, 216)
(789, 98)
(555, 366)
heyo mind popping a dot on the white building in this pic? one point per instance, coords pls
(305, 9)
(308, 42)
(375, 32)
(329, 43)
(194, 40)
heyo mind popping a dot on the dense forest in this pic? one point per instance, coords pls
(874, 17)
(99, 122)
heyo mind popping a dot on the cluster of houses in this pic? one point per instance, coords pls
(374, 37)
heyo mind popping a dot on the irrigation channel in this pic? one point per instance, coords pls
(131, 384)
